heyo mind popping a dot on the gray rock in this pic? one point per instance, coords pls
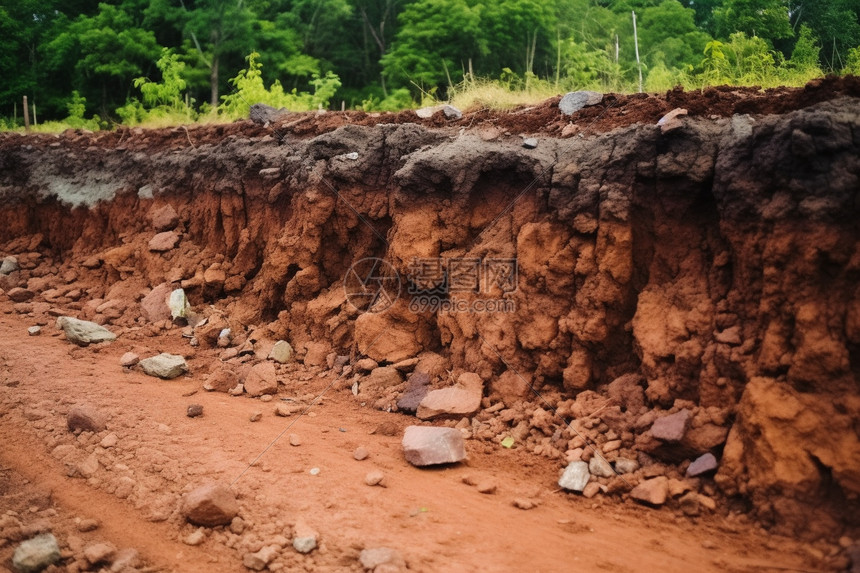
(304, 537)
(9, 265)
(166, 366)
(702, 465)
(598, 466)
(36, 554)
(530, 142)
(652, 491)
(262, 379)
(575, 101)
(86, 419)
(34, 331)
(210, 505)
(671, 428)
(426, 446)
(263, 114)
(83, 332)
(626, 466)
(178, 304)
(451, 112)
(575, 476)
(281, 352)
(372, 558)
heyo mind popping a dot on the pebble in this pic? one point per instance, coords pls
(315, 471)
(591, 489)
(626, 466)
(487, 487)
(109, 441)
(257, 416)
(374, 477)
(99, 553)
(210, 505)
(524, 503)
(86, 525)
(194, 410)
(530, 142)
(703, 464)
(374, 559)
(34, 330)
(653, 491)
(195, 538)
(129, 359)
(360, 453)
(304, 537)
(295, 440)
(598, 466)
(259, 560)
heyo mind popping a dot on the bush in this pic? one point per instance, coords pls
(249, 89)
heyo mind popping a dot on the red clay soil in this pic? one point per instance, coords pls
(435, 520)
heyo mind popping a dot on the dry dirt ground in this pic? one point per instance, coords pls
(432, 517)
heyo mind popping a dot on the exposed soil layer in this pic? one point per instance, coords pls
(708, 271)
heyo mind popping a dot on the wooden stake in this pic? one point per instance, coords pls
(26, 115)
(636, 41)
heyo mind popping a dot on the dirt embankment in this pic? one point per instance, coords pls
(713, 268)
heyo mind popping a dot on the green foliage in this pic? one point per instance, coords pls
(77, 107)
(250, 89)
(162, 101)
(396, 100)
(852, 62)
(760, 18)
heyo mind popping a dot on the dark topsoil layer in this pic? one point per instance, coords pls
(616, 110)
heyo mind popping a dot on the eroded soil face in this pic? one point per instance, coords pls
(705, 273)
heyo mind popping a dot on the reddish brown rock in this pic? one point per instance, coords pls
(464, 399)
(164, 218)
(85, 418)
(210, 505)
(163, 242)
(262, 379)
(427, 446)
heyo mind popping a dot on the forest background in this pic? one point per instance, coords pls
(90, 64)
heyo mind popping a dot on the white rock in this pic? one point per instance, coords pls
(575, 476)
(166, 366)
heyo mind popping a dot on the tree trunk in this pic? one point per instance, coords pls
(213, 80)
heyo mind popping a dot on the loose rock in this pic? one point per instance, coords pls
(163, 242)
(703, 464)
(35, 554)
(165, 218)
(99, 553)
(374, 477)
(360, 453)
(129, 359)
(530, 142)
(575, 101)
(194, 410)
(165, 366)
(372, 558)
(261, 559)
(295, 440)
(210, 505)
(83, 332)
(19, 294)
(34, 331)
(671, 428)
(425, 446)
(9, 265)
(575, 476)
(262, 379)
(178, 305)
(86, 419)
(257, 416)
(195, 538)
(598, 466)
(281, 352)
(652, 492)
(464, 399)
(626, 466)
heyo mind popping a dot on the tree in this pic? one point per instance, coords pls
(668, 35)
(836, 23)
(766, 19)
(105, 50)
(435, 41)
(216, 28)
